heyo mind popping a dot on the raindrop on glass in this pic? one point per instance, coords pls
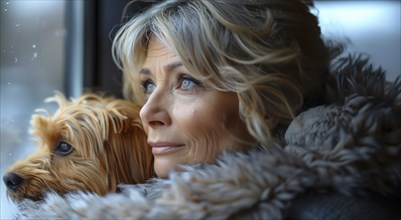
(7, 2)
(15, 59)
(18, 25)
(5, 9)
(35, 55)
(9, 83)
(34, 46)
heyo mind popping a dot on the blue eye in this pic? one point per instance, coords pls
(187, 83)
(148, 86)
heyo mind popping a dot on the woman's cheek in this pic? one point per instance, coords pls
(205, 143)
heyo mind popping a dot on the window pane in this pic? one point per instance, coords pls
(373, 27)
(33, 36)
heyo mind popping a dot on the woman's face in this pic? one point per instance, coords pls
(186, 121)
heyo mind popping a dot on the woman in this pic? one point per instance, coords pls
(231, 60)
(246, 119)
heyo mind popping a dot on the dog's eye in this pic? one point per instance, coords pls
(63, 149)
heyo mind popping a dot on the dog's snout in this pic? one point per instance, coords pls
(12, 181)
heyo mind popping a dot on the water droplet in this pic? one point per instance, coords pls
(35, 55)
(10, 154)
(4, 51)
(7, 2)
(15, 59)
(11, 46)
(34, 46)
(5, 9)
(18, 25)
(9, 83)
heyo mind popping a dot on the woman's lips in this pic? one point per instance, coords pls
(160, 149)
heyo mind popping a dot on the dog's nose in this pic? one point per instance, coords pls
(12, 181)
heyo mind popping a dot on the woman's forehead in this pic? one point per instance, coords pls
(157, 48)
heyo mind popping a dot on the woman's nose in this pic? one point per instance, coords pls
(154, 113)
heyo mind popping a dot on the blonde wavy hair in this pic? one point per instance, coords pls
(269, 52)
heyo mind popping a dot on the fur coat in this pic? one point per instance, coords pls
(341, 160)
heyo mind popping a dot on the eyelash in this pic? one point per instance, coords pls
(182, 77)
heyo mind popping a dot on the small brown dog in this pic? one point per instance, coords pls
(90, 144)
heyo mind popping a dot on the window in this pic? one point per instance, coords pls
(373, 27)
(33, 36)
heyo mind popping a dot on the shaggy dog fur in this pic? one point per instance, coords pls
(90, 144)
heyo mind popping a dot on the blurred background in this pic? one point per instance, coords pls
(64, 45)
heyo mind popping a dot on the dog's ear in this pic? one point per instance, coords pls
(44, 130)
(41, 124)
(129, 156)
(38, 122)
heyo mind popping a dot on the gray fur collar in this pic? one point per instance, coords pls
(352, 146)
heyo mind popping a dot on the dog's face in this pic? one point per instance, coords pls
(90, 144)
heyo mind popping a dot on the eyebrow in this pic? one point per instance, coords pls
(168, 68)
(144, 71)
(171, 66)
